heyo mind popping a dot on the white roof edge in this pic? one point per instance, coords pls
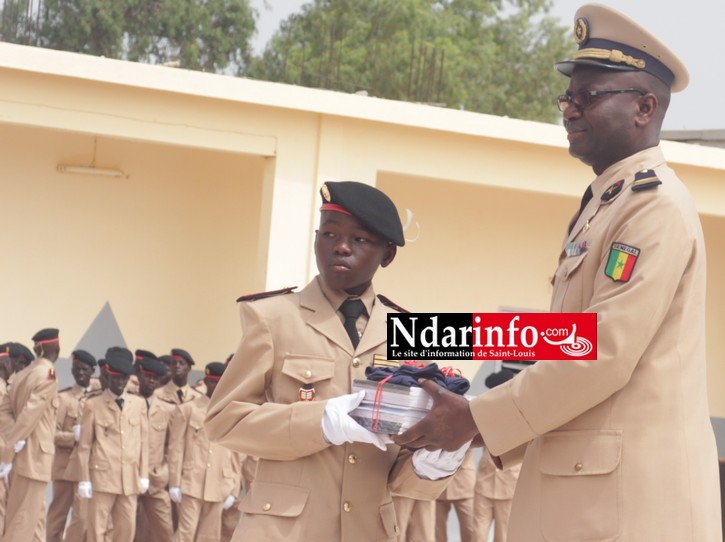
(326, 102)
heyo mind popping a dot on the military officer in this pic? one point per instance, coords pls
(620, 448)
(177, 390)
(113, 453)
(154, 507)
(67, 433)
(204, 477)
(285, 396)
(29, 411)
(459, 494)
(20, 356)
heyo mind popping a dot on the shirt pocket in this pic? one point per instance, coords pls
(311, 373)
(569, 285)
(579, 466)
(272, 499)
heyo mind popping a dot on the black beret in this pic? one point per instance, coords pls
(152, 366)
(46, 335)
(83, 357)
(496, 379)
(371, 207)
(215, 369)
(183, 354)
(140, 354)
(119, 360)
(101, 363)
(165, 359)
(17, 350)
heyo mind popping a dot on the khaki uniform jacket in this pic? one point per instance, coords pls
(159, 415)
(306, 489)
(462, 483)
(167, 393)
(70, 407)
(28, 412)
(202, 469)
(620, 448)
(113, 450)
(496, 483)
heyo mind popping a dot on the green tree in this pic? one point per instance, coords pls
(491, 56)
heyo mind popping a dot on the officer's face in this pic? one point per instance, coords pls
(348, 255)
(82, 373)
(603, 132)
(117, 383)
(179, 371)
(147, 383)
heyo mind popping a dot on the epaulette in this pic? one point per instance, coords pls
(644, 180)
(94, 393)
(262, 295)
(385, 301)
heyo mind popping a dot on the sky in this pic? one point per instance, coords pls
(693, 29)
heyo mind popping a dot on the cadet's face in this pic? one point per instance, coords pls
(117, 383)
(82, 373)
(179, 371)
(347, 254)
(210, 385)
(602, 133)
(147, 383)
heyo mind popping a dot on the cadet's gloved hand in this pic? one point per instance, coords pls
(19, 445)
(77, 432)
(338, 427)
(228, 502)
(5, 469)
(85, 490)
(144, 484)
(438, 464)
(175, 494)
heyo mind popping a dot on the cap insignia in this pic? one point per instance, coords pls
(581, 30)
(613, 190)
(325, 193)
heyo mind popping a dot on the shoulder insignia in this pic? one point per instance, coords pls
(262, 295)
(51, 374)
(388, 303)
(380, 360)
(613, 190)
(644, 180)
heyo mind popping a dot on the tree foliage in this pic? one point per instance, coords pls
(209, 35)
(491, 56)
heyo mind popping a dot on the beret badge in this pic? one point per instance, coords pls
(325, 192)
(581, 31)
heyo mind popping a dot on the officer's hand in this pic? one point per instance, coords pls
(143, 485)
(77, 432)
(228, 502)
(19, 445)
(175, 494)
(85, 490)
(448, 426)
(338, 427)
(438, 464)
(5, 469)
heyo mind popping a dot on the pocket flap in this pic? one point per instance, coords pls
(569, 266)
(275, 499)
(47, 447)
(580, 453)
(308, 369)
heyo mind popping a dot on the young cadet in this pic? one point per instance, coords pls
(177, 390)
(113, 453)
(620, 448)
(20, 356)
(154, 507)
(67, 434)
(27, 419)
(285, 397)
(204, 477)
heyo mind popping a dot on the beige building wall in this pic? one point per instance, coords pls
(220, 198)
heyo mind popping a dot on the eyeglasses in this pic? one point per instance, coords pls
(583, 98)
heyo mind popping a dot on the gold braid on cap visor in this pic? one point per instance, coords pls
(612, 55)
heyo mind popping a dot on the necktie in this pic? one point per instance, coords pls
(351, 309)
(585, 199)
(180, 393)
(119, 402)
(148, 404)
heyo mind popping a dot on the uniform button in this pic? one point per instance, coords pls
(266, 506)
(396, 529)
(578, 467)
(208, 465)
(308, 373)
(352, 459)
(346, 506)
(356, 362)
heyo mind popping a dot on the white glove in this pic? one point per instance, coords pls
(5, 469)
(338, 427)
(144, 484)
(85, 490)
(19, 445)
(175, 494)
(77, 432)
(228, 502)
(439, 463)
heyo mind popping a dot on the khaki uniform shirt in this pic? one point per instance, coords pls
(159, 415)
(202, 469)
(28, 413)
(305, 488)
(493, 482)
(620, 448)
(168, 393)
(70, 407)
(462, 483)
(113, 450)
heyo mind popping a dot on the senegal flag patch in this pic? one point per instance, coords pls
(621, 262)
